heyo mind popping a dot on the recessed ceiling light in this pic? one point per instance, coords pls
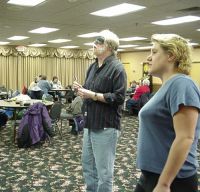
(43, 30)
(37, 45)
(30, 3)
(117, 10)
(59, 41)
(127, 46)
(144, 48)
(69, 47)
(178, 20)
(4, 43)
(17, 38)
(88, 35)
(72, 1)
(132, 38)
(89, 44)
(198, 29)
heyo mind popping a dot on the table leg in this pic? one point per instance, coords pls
(14, 124)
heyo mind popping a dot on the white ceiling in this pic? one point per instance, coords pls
(74, 19)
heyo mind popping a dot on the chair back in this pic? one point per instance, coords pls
(36, 94)
(144, 98)
(3, 88)
(55, 111)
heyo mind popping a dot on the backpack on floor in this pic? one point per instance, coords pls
(79, 123)
(3, 118)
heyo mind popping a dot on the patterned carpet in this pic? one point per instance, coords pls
(56, 167)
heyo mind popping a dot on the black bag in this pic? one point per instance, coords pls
(3, 118)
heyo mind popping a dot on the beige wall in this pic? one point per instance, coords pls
(132, 63)
(195, 72)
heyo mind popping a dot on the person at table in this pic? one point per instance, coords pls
(44, 84)
(55, 83)
(132, 87)
(169, 124)
(72, 111)
(33, 83)
(33, 90)
(144, 88)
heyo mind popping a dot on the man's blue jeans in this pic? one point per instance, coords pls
(98, 159)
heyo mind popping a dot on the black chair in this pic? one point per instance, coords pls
(36, 94)
(69, 96)
(54, 113)
(144, 98)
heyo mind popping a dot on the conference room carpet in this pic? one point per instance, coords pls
(57, 167)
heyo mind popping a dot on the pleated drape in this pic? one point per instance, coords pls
(19, 70)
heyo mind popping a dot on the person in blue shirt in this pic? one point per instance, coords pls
(44, 84)
(169, 124)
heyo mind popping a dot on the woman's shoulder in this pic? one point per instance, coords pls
(183, 81)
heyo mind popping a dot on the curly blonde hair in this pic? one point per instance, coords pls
(178, 47)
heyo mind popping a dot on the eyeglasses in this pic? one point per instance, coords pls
(99, 40)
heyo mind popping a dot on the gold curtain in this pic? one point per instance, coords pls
(19, 68)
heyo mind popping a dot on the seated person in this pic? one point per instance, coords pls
(73, 111)
(132, 87)
(144, 88)
(55, 83)
(32, 86)
(33, 83)
(44, 85)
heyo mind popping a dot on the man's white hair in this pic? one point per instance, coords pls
(146, 82)
(111, 39)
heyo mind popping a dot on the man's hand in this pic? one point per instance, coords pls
(85, 93)
(76, 85)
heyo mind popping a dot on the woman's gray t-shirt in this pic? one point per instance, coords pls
(156, 131)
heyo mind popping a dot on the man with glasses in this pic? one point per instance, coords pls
(104, 94)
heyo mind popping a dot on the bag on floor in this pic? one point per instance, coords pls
(79, 122)
(3, 118)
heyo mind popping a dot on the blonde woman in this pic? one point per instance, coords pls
(169, 123)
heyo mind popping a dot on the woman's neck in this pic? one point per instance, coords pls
(167, 76)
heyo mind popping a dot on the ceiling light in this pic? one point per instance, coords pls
(89, 44)
(127, 46)
(37, 45)
(194, 44)
(88, 35)
(43, 30)
(178, 20)
(59, 41)
(69, 47)
(119, 50)
(18, 38)
(117, 10)
(30, 3)
(132, 38)
(144, 48)
(4, 43)
(198, 29)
